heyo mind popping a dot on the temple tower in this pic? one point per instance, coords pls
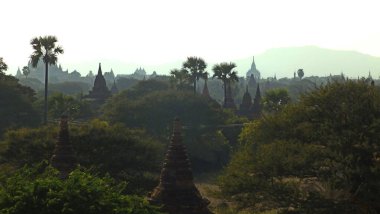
(253, 70)
(63, 158)
(176, 192)
(246, 105)
(256, 107)
(205, 92)
(229, 101)
(100, 90)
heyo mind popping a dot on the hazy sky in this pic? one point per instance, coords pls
(161, 31)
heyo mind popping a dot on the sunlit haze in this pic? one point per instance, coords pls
(149, 33)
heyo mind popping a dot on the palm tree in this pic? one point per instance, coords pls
(195, 66)
(180, 76)
(3, 66)
(223, 71)
(45, 48)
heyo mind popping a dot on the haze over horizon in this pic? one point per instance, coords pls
(148, 33)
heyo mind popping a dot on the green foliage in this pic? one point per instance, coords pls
(69, 88)
(123, 153)
(195, 67)
(300, 73)
(25, 71)
(74, 107)
(30, 191)
(16, 103)
(180, 79)
(3, 66)
(155, 111)
(45, 48)
(331, 135)
(275, 99)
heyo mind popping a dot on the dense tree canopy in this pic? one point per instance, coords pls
(123, 153)
(39, 190)
(155, 111)
(275, 99)
(16, 103)
(331, 135)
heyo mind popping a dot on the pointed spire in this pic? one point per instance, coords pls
(176, 192)
(229, 101)
(18, 74)
(63, 158)
(256, 107)
(114, 89)
(205, 92)
(100, 69)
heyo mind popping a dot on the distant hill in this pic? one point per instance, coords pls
(314, 60)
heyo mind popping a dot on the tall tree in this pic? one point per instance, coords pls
(3, 66)
(45, 48)
(300, 73)
(223, 71)
(196, 68)
(26, 71)
(180, 76)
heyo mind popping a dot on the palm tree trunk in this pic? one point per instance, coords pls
(195, 85)
(46, 93)
(225, 91)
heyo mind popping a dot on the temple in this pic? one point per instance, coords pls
(63, 158)
(205, 92)
(253, 71)
(256, 107)
(176, 192)
(246, 105)
(100, 91)
(229, 100)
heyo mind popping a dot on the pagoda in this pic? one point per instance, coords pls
(176, 193)
(246, 105)
(99, 91)
(205, 92)
(256, 107)
(63, 158)
(229, 101)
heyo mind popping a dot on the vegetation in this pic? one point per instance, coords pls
(195, 67)
(45, 48)
(154, 110)
(40, 190)
(316, 156)
(275, 99)
(223, 71)
(3, 66)
(16, 103)
(123, 153)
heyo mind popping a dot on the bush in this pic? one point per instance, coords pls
(40, 190)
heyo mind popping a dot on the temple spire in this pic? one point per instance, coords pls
(63, 158)
(256, 107)
(100, 69)
(176, 192)
(205, 92)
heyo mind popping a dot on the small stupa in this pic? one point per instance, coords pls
(63, 158)
(176, 192)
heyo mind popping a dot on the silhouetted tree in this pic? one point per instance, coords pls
(300, 73)
(3, 66)
(195, 66)
(26, 71)
(180, 76)
(45, 48)
(223, 71)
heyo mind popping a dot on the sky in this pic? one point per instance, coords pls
(152, 32)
